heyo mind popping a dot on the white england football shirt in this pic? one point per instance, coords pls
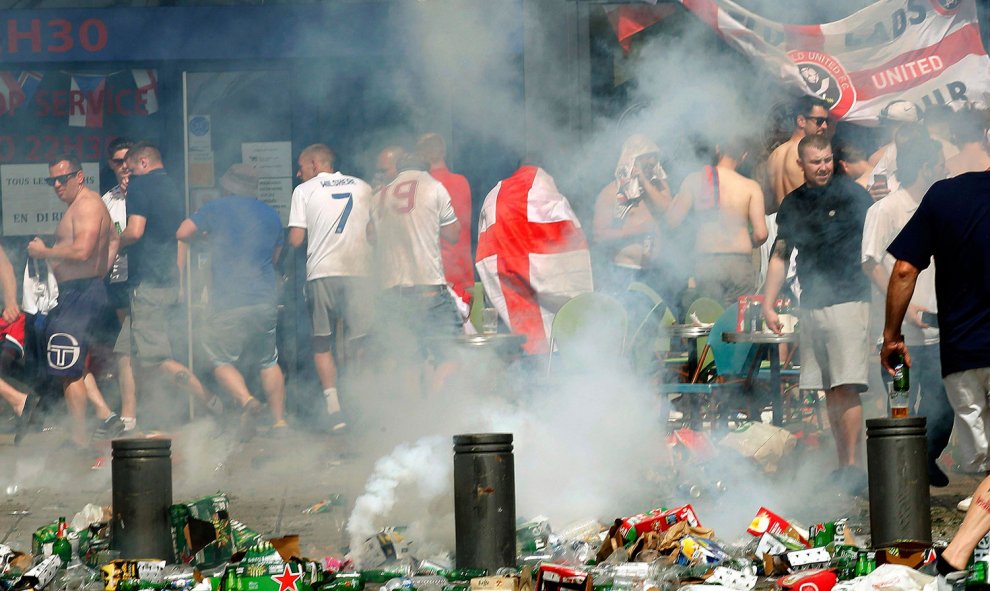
(334, 210)
(409, 213)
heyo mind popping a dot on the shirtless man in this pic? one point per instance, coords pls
(811, 118)
(85, 245)
(728, 212)
(969, 130)
(624, 228)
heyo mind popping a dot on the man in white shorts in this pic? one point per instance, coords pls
(823, 220)
(331, 210)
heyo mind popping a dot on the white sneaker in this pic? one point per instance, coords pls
(333, 403)
(964, 504)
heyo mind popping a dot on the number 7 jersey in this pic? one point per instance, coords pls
(334, 210)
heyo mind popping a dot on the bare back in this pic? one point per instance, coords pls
(783, 171)
(725, 228)
(87, 229)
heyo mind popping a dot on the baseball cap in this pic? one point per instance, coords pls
(903, 111)
(240, 179)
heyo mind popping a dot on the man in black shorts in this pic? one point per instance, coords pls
(85, 244)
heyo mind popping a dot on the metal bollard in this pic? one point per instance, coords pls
(142, 494)
(484, 501)
(897, 458)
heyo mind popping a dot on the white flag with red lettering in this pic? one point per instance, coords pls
(11, 94)
(147, 88)
(87, 94)
(532, 255)
(924, 51)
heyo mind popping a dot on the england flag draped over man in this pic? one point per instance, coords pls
(532, 254)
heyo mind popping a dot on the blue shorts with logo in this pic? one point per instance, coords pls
(81, 306)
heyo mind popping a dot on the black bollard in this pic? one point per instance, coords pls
(142, 494)
(897, 458)
(484, 501)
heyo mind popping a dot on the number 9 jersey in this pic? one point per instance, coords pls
(408, 215)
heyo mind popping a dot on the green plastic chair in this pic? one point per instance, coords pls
(586, 328)
(649, 341)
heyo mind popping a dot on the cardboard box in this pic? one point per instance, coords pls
(658, 520)
(201, 531)
(766, 521)
(495, 584)
(555, 577)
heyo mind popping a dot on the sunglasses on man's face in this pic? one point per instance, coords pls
(60, 179)
(819, 121)
(118, 161)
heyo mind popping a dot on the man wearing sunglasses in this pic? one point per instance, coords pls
(783, 172)
(85, 245)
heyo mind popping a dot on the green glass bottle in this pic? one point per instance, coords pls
(62, 548)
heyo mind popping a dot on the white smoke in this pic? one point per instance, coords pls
(403, 485)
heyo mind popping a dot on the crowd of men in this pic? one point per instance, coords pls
(389, 265)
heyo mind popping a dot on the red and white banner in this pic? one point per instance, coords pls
(90, 90)
(11, 95)
(147, 86)
(924, 51)
(532, 255)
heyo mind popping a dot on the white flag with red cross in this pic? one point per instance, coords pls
(532, 254)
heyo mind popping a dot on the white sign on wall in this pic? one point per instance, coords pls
(273, 161)
(30, 206)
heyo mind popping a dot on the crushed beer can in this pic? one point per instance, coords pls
(532, 536)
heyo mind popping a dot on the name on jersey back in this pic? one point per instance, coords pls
(337, 182)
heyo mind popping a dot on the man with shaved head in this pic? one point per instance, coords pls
(154, 212)
(331, 210)
(823, 219)
(411, 214)
(386, 166)
(458, 265)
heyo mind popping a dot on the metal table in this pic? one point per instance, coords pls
(506, 345)
(766, 347)
(691, 332)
